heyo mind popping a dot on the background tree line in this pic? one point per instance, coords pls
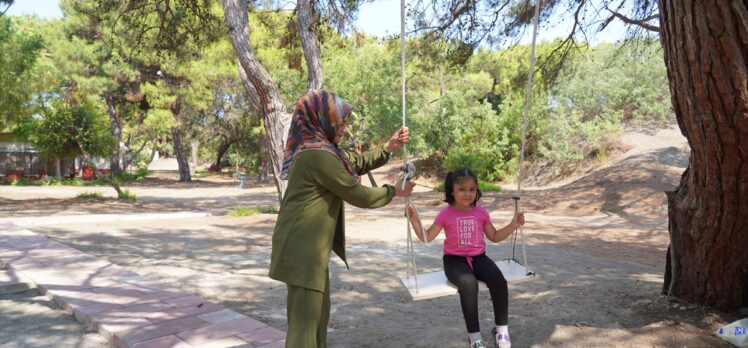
(461, 113)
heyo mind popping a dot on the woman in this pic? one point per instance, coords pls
(310, 223)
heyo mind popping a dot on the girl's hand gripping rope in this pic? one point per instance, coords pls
(518, 220)
(415, 221)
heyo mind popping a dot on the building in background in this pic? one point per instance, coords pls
(19, 159)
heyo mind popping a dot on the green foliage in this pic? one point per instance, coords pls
(125, 194)
(246, 211)
(68, 129)
(462, 112)
(484, 186)
(90, 195)
(368, 76)
(277, 46)
(23, 182)
(67, 182)
(466, 132)
(620, 84)
(20, 45)
(489, 187)
(229, 126)
(598, 92)
(243, 211)
(139, 175)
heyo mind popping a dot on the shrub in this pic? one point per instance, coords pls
(243, 211)
(246, 211)
(89, 195)
(127, 195)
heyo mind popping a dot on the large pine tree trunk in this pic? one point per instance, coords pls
(271, 105)
(706, 47)
(309, 44)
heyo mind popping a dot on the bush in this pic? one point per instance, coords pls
(246, 211)
(243, 211)
(489, 187)
(89, 195)
(139, 175)
(24, 182)
(127, 195)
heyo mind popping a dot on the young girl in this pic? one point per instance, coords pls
(465, 261)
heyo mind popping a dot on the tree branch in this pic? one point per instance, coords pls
(641, 23)
(6, 8)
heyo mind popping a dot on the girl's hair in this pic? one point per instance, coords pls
(457, 176)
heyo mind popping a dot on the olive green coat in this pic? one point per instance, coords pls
(310, 222)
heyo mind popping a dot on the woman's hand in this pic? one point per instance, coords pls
(396, 142)
(400, 192)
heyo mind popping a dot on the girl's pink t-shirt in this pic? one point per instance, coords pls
(463, 230)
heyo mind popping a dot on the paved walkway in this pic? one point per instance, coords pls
(126, 308)
(63, 219)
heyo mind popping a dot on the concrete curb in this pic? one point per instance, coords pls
(64, 219)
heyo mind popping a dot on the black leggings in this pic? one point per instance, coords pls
(458, 272)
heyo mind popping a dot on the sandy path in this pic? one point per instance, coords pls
(597, 241)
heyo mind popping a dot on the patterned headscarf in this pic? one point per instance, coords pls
(318, 116)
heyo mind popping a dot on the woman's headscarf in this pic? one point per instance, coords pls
(318, 116)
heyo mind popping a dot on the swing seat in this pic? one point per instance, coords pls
(435, 284)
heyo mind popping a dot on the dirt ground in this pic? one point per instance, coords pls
(597, 241)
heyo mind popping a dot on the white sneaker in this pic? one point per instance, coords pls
(477, 344)
(502, 340)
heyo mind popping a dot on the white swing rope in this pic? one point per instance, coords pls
(408, 168)
(528, 100)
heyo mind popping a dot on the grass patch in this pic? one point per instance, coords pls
(243, 211)
(483, 186)
(25, 182)
(246, 211)
(138, 175)
(204, 174)
(90, 195)
(489, 187)
(127, 195)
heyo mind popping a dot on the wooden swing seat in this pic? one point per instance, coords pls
(435, 284)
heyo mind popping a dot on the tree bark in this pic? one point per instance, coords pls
(251, 91)
(222, 149)
(134, 154)
(114, 161)
(309, 44)
(184, 164)
(706, 47)
(176, 138)
(264, 161)
(271, 106)
(99, 174)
